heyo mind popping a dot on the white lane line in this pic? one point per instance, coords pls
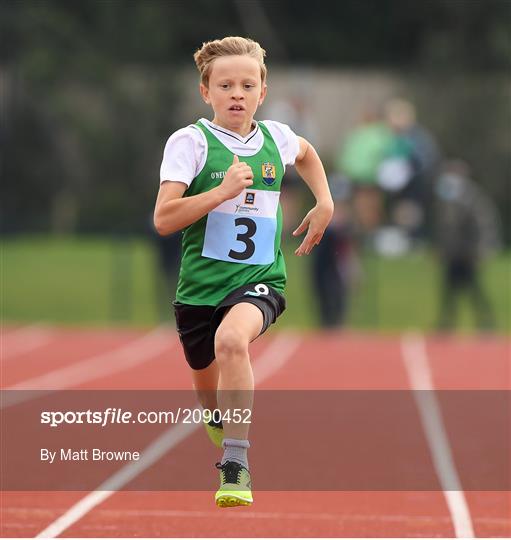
(416, 362)
(106, 363)
(279, 351)
(12, 333)
(24, 340)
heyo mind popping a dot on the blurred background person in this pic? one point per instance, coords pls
(466, 231)
(358, 159)
(334, 262)
(411, 163)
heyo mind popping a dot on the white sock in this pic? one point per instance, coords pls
(236, 450)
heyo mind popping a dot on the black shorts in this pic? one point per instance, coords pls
(197, 325)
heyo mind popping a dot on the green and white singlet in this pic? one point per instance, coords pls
(238, 242)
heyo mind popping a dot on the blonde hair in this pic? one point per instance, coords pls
(228, 46)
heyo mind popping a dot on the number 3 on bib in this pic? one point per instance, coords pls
(243, 239)
(246, 238)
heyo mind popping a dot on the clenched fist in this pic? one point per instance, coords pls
(238, 177)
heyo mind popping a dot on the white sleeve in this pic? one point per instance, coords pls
(184, 156)
(285, 139)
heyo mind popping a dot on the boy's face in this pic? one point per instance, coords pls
(235, 91)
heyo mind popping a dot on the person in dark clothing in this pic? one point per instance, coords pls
(329, 274)
(333, 261)
(466, 229)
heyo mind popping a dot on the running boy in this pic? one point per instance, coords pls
(220, 182)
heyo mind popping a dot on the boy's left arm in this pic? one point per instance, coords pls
(309, 167)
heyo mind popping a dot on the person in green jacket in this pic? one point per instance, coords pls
(358, 160)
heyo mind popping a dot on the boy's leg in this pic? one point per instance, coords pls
(241, 325)
(205, 382)
(193, 324)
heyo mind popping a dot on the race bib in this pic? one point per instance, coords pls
(242, 230)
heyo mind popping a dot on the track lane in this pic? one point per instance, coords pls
(280, 347)
(359, 362)
(322, 362)
(69, 347)
(276, 514)
(484, 364)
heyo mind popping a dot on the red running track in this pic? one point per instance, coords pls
(87, 359)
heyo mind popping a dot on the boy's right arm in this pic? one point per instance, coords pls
(173, 212)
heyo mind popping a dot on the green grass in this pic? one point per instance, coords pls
(96, 281)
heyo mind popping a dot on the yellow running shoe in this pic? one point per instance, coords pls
(235, 485)
(215, 433)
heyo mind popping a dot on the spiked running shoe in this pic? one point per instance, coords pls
(215, 433)
(235, 485)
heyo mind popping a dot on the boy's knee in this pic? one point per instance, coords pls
(229, 343)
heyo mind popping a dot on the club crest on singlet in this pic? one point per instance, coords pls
(269, 173)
